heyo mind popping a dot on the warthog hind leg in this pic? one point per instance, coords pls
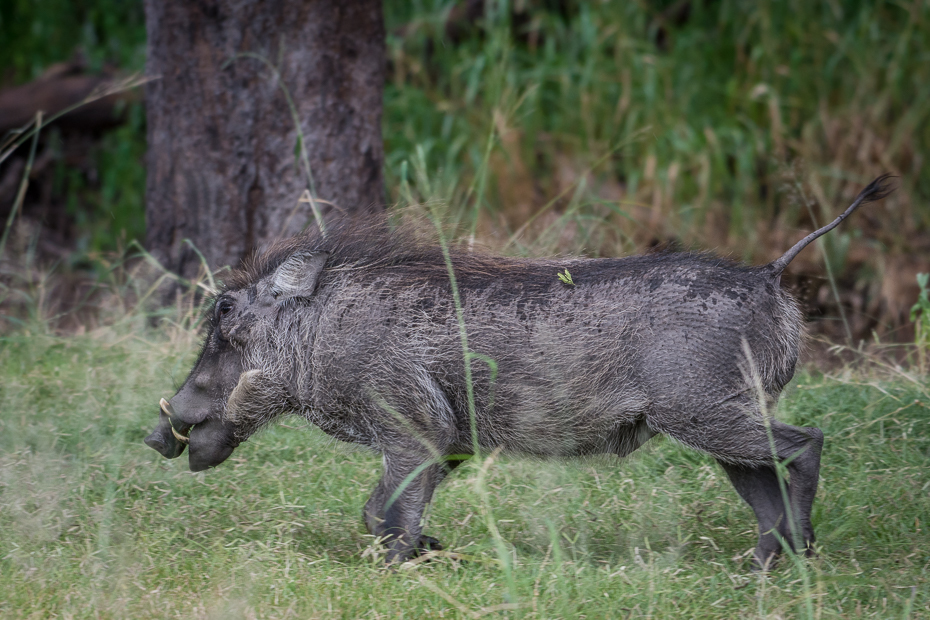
(759, 487)
(746, 454)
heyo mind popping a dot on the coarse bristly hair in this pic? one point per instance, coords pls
(373, 242)
(376, 246)
(406, 259)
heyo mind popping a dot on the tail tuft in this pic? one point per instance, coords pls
(876, 190)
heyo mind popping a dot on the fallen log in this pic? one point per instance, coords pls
(64, 85)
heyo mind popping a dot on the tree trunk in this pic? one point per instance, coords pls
(224, 169)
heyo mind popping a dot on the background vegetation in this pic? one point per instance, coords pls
(604, 128)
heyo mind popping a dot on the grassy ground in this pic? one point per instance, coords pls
(96, 525)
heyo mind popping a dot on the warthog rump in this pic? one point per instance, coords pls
(359, 333)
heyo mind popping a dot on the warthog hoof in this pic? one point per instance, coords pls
(428, 543)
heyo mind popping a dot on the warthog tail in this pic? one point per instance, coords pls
(876, 190)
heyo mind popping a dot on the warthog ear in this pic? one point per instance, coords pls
(298, 275)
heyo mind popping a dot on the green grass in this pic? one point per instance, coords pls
(95, 524)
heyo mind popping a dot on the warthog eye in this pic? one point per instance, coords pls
(224, 307)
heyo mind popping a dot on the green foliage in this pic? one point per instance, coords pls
(920, 316)
(97, 525)
(109, 211)
(102, 188)
(698, 117)
(37, 33)
(921, 310)
(566, 278)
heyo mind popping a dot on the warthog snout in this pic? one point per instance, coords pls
(165, 438)
(211, 440)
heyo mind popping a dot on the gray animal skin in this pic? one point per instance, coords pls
(358, 333)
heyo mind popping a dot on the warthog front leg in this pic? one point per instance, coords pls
(396, 515)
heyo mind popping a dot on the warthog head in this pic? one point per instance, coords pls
(224, 399)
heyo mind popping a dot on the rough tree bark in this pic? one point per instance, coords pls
(222, 169)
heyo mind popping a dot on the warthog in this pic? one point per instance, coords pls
(366, 332)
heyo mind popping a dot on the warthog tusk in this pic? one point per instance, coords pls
(180, 437)
(248, 380)
(166, 408)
